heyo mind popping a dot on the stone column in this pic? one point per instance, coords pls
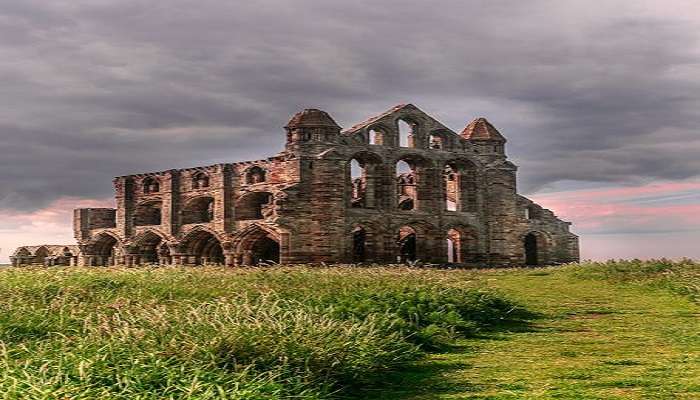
(230, 260)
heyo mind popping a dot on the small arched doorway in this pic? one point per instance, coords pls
(266, 250)
(258, 246)
(203, 247)
(531, 249)
(407, 244)
(104, 251)
(150, 248)
(359, 244)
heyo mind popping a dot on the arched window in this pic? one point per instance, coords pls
(462, 245)
(198, 211)
(255, 175)
(362, 180)
(147, 214)
(200, 180)
(359, 184)
(451, 178)
(436, 142)
(376, 137)
(406, 133)
(460, 186)
(406, 185)
(151, 185)
(256, 205)
(406, 243)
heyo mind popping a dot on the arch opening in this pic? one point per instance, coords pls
(407, 244)
(265, 250)
(362, 175)
(255, 206)
(462, 245)
(407, 131)
(460, 186)
(454, 251)
(255, 175)
(203, 248)
(153, 250)
(358, 179)
(359, 245)
(147, 214)
(198, 211)
(258, 247)
(151, 185)
(105, 251)
(376, 137)
(406, 185)
(436, 142)
(200, 180)
(451, 178)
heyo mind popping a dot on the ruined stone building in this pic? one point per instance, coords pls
(397, 187)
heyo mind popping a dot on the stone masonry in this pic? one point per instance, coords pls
(398, 187)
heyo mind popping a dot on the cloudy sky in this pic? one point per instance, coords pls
(600, 101)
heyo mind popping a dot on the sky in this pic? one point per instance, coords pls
(600, 104)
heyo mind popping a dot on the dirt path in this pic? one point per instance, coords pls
(596, 340)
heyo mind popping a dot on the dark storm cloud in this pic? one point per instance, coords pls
(96, 89)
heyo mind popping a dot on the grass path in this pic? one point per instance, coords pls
(595, 340)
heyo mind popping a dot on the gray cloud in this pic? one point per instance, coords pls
(97, 89)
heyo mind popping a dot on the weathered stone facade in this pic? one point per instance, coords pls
(47, 255)
(398, 187)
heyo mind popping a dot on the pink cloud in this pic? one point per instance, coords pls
(50, 225)
(625, 222)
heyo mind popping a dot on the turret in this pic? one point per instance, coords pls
(485, 137)
(311, 126)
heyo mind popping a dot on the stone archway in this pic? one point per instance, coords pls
(359, 245)
(407, 244)
(258, 246)
(535, 249)
(462, 244)
(104, 251)
(152, 249)
(202, 248)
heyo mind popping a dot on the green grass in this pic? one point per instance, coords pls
(615, 330)
(226, 334)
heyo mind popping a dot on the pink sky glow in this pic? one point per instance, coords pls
(644, 221)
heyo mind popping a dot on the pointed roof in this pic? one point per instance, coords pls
(481, 129)
(376, 118)
(393, 110)
(311, 117)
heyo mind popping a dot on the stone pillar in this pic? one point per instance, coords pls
(229, 260)
(248, 257)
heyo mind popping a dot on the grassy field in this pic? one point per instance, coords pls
(627, 330)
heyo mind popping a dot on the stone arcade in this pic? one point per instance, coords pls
(398, 187)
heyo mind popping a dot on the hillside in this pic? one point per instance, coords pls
(628, 330)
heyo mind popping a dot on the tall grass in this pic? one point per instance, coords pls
(210, 333)
(681, 276)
